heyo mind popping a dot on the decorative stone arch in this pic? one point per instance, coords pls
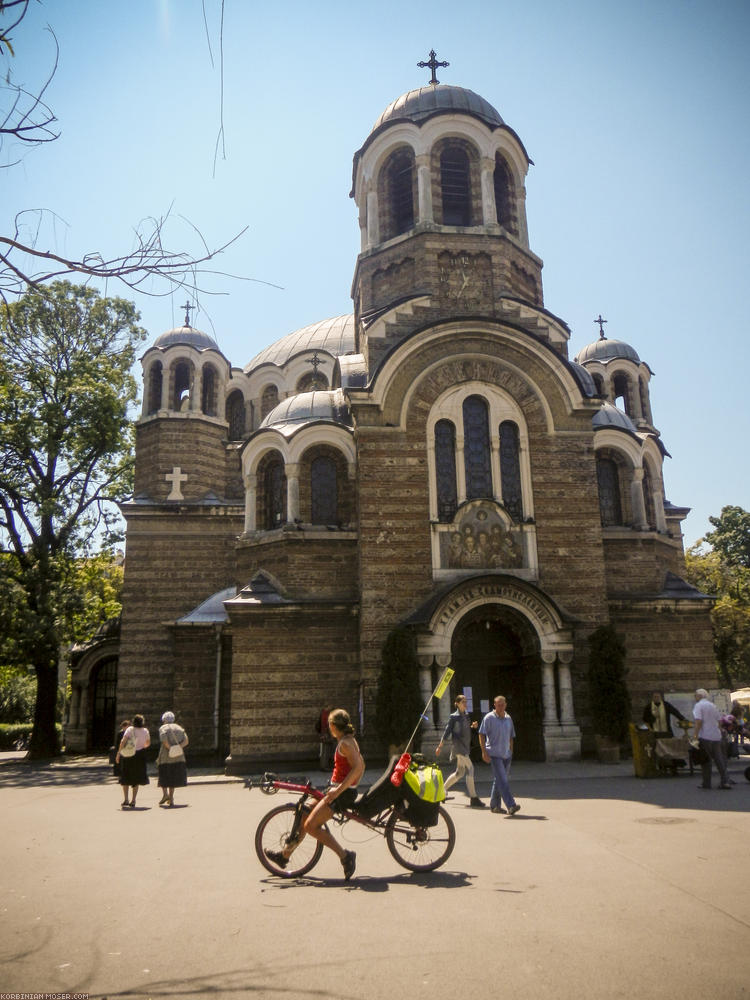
(455, 168)
(270, 397)
(548, 631)
(235, 414)
(653, 486)
(625, 452)
(397, 192)
(506, 199)
(181, 381)
(210, 387)
(154, 383)
(83, 727)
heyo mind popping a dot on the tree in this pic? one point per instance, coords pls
(609, 695)
(732, 536)
(150, 268)
(65, 451)
(398, 703)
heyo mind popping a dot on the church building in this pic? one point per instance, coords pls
(436, 459)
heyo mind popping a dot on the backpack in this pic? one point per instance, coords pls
(422, 792)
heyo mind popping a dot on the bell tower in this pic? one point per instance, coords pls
(440, 188)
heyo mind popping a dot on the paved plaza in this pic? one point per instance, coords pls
(603, 886)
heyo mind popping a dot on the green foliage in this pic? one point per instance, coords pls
(712, 573)
(65, 458)
(398, 703)
(17, 695)
(731, 539)
(17, 736)
(608, 693)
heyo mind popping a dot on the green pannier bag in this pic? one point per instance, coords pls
(426, 781)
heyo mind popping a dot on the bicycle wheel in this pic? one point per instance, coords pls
(421, 848)
(273, 834)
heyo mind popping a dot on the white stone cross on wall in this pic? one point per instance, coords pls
(176, 477)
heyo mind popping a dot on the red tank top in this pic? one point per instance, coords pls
(341, 767)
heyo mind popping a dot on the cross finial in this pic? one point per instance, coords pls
(187, 307)
(432, 64)
(601, 323)
(316, 362)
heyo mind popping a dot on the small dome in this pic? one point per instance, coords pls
(329, 406)
(585, 379)
(419, 105)
(186, 335)
(334, 336)
(607, 350)
(612, 416)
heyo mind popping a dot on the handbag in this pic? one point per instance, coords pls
(128, 748)
(175, 750)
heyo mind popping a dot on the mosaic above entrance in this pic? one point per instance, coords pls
(480, 537)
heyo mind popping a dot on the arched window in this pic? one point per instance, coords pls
(455, 186)
(645, 403)
(599, 383)
(182, 380)
(310, 381)
(504, 195)
(648, 498)
(621, 386)
(323, 491)
(155, 381)
(510, 469)
(477, 448)
(401, 193)
(235, 415)
(274, 493)
(209, 401)
(445, 470)
(610, 508)
(268, 400)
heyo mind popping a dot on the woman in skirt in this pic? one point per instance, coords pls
(133, 768)
(171, 759)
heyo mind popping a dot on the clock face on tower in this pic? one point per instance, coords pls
(460, 277)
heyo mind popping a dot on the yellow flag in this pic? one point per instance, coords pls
(443, 683)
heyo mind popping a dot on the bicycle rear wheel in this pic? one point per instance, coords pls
(273, 834)
(420, 848)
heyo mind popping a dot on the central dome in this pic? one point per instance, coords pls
(419, 105)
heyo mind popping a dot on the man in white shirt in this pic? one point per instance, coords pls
(708, 734)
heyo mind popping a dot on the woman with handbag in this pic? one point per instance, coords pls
(171, 759)
(131, 756)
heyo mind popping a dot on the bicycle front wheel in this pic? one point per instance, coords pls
(274, 833)
(421, 848)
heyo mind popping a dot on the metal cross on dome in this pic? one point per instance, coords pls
(187, 307)
(601, 323)
(316, 362)
(432, 64)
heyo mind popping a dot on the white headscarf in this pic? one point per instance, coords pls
(168, 717)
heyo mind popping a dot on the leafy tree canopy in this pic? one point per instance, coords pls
(731, 539)
(65, 448)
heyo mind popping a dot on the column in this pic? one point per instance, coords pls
(567, 716)
(549, 699)
(424, 188)
(166, 374)
(250, 503)
(196, 391)
(489, 208)
(460, 468)
(497, 482)
(292, 493)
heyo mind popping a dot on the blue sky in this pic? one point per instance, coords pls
(634, 113)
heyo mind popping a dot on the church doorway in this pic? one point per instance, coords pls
(494, 651)
(104, 704)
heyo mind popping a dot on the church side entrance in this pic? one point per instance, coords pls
(494, 651)
(104, 704)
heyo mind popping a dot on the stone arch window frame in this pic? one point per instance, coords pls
(422, 138)
(345, 469)
(299, 365)
(627, 453)
(505, 215)
(292, 449)
(263, 411)
(644, 393)
(653, 463)
(501, 407)
(387, 222)
(269, 455)
(447, 142)
(232, 391)
(173, 368)
(196, 361)
(208, 372)
(149, 393)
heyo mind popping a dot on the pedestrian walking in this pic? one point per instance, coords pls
(458, 731)
(708, 734)
(496, 736)
(171, 764)
(131, 756)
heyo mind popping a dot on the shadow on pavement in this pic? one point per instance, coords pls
(367, 883)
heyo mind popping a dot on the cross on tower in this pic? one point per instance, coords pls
(316, 362)
(432, 64)
(187, 307)
(601, 323)
(176, 477)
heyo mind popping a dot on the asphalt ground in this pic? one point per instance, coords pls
(604, 885)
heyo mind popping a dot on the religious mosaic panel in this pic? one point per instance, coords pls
(480, 538)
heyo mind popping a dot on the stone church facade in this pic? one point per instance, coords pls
(435, 460)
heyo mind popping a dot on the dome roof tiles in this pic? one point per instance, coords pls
(335, 336)
(611, 416)
(186, 335)
(424, 102)
(328, 405)
(605, 350)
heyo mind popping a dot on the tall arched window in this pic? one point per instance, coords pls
(456, 187)
(182, 380)
(310, 381)
(504, 195)
(621, 387)
(648, 498)
(401, 193)
(477, 461)
(209, 400)
(323, 491)
(235, 415)
(610, 508)
(510, 469)
(155, 381)
(445, 470)
(274, 493)
(268, 400)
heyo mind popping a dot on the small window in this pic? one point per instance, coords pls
(455, 186)
(311, 381)
(182, 380)
(504, 195)
(268, 400)
(622, 393)
(648, 499)
(235, 415)
(401, 193)
(445, 470)
(155, 382)
(477, 448)
(510, 469)
(274, 492)
(323, 491)
(209, 399)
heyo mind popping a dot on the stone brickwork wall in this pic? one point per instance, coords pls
(289, 663)
(194, 443)
(195, 657)
(637, 563)
(314, 563)
(174, 561)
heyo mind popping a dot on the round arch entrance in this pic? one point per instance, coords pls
(495, 651)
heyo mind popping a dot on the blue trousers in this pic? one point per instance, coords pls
(500, 786)
(715, 754)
